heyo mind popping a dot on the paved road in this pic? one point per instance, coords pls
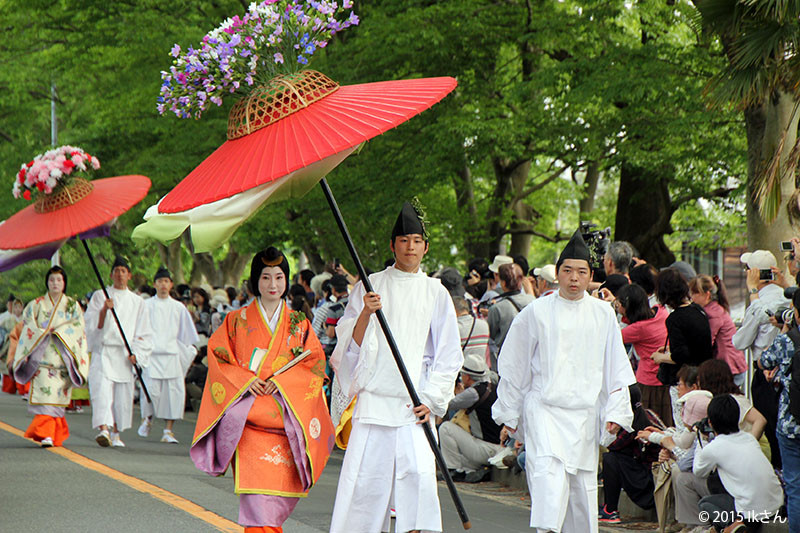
(153, 487)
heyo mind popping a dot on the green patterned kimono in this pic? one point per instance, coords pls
(51, 353)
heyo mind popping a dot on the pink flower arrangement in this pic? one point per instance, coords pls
(52, 169)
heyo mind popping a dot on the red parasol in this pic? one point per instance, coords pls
(343, 119)
(107, 199)
(79, 208)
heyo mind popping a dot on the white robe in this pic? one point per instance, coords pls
(422, 319)
(564, 373)
(111, 374)
(174, 335)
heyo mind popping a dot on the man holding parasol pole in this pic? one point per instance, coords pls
(388, 463)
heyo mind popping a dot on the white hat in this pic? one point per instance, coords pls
(760, 259)
(475, 365)
(548, 272)
(500, 260)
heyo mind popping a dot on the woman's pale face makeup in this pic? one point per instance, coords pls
(55, 283)
(271, 285)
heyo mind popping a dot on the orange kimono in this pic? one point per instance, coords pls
(278, 444)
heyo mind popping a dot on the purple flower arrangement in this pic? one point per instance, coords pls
(274, 37)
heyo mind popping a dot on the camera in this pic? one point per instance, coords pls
(703, 426)
(786, 246)
(597, 241)
(783, 315)
(765, 274)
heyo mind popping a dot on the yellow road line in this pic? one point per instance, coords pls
(167, 497)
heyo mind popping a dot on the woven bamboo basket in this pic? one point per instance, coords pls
(281, 97)
(67, 195)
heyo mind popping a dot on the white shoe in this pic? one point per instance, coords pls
(116, 441)
(497, 459)
(144, 427)
(48, 442)
(169, 437)
(103, 438)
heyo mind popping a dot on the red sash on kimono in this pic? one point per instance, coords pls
(288, 436)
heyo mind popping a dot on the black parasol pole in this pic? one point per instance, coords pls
(462, 512)
(116, 319)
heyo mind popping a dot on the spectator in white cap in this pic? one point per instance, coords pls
(469, 441)
(766, 295)
(494, 287)
(546, 282)
(757, 332)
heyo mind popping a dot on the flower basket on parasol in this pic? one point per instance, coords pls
(66, 204)
(291, 129)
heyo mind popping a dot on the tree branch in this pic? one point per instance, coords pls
(541, 184)
(720, 192)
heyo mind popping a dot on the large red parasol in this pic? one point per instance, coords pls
(107, 199)
(343, 119)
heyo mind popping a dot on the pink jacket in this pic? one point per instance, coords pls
(722, 330)
(647, 336)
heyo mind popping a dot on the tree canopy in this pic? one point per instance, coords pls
(562, 109)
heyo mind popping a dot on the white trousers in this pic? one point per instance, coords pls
(112, 402)
(560, 501)
(168, 395)
(387, 467)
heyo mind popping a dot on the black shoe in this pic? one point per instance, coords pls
(477, 476)
(457, 476)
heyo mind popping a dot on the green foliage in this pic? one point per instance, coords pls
(549, 86)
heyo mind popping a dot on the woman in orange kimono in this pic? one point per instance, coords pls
(268, 420)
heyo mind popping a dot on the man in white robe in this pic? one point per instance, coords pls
(564, 378)
(174, 335)
(111, 374)
(389, 463)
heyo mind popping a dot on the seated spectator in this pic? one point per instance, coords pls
(474, 332)
(710, 294)
(627, 464)
(646, 330)
(715, 376)
(507, 305)
(753, 491)
(467, 452)
(678, 444)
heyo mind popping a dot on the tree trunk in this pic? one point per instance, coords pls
(644, 210)
(765, 126)
(171, 258)
(589, 186)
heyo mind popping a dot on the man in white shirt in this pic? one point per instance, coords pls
(389, 462)
(111, 376)
(564, 378)
(754, 492)
(174, 336)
